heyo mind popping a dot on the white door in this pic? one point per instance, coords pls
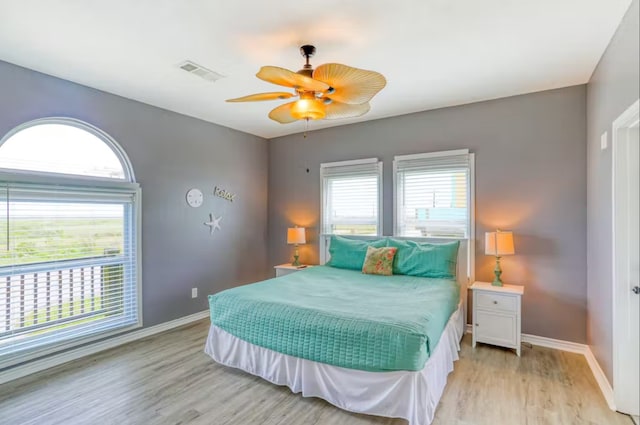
(626, 261)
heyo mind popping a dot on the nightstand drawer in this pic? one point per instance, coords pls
(288, 268)
(284, 272)
(493, 301)
(496, 328)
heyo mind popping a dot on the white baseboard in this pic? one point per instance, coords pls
(573, 347)
(556, 344)
(58, 359)
(601, 378)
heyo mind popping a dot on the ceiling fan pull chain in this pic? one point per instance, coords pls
(306, 128)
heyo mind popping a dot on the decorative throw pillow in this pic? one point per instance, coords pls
(436, 260)
(349, 253)
(379, 261)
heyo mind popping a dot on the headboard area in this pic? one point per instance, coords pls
(465, 265)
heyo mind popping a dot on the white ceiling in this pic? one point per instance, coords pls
(434, 53)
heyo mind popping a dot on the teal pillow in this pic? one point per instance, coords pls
(425, 259)
(349, 253)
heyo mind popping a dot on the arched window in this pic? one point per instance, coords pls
(68, 238)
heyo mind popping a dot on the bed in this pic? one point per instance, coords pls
(380, 345)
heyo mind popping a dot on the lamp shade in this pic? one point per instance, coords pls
(295, 235)
(498, 243)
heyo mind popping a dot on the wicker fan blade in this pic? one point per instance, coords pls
(262, 96)
(284, 77)
(352, 85)
(336, 110)
(282, 114)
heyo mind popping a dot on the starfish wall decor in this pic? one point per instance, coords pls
(213, 223)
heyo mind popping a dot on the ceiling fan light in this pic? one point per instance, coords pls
(306, 108)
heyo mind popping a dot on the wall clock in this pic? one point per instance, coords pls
(194, 197)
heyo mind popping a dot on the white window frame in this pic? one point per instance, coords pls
(127, 185)
(129, 175)
(346, 164)
(470, 189)
(323, 235)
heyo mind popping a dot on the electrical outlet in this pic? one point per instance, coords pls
(603, 141)
(194, 292)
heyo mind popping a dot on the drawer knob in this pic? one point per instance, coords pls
(495, 302)
(477, 324)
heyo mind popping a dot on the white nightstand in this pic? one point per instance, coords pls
(287, 268)
(497, 314)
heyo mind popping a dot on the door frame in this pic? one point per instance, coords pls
(629, 118)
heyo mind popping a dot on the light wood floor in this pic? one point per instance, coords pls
(167, 379)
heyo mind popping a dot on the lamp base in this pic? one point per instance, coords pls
(296, 261)
(497, 271)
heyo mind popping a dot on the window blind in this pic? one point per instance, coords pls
(432, 194)
(68, 266)
(351, 197)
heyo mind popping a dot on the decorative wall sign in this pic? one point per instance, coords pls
(213, 223)
(195, 197)
(224, 194)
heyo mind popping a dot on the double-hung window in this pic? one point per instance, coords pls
(69, 223)
(432, 194)
(352, 197)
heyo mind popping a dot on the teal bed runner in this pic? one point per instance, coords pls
(341, 317)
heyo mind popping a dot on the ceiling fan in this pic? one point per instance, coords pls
(330, 91)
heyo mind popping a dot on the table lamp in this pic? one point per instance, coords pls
(296, 236)
(498, 243)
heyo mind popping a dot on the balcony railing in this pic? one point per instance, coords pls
(52, 294)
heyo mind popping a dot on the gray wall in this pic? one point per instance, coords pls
(170, 154)
(530, 177)
(612, 89)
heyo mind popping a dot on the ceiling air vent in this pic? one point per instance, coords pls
(200, 71)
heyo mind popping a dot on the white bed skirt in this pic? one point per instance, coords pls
(410, 395)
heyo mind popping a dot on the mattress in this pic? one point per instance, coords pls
(341, 317)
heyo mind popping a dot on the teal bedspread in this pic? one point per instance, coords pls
(341, 317)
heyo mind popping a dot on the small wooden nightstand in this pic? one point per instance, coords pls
(497, 314)
(287, 268)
